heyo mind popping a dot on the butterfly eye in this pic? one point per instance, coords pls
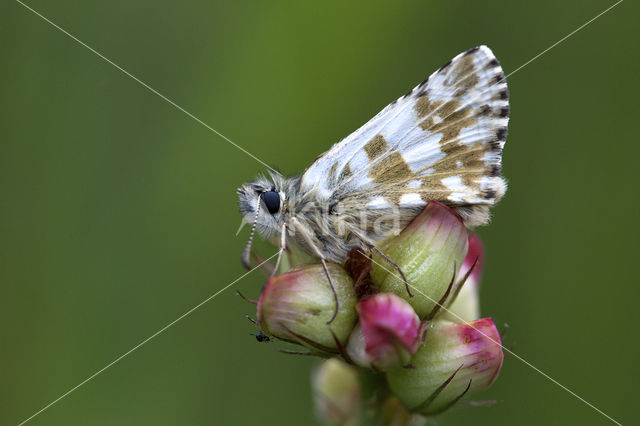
(272, 201)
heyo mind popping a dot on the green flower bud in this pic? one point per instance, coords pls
(429, 251)
(466, 306)
(395, 414)
(455, 359)
(336, 393)
(295, 257)
(297, 305)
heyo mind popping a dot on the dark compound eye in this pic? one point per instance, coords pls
(272, 201)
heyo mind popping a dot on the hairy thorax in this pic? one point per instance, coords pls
(331, 229)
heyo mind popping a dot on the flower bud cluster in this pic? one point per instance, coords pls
(413, 346)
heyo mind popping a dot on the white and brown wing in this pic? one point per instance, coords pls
(441, 141)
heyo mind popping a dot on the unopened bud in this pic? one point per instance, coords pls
(388, 334)
(394, 413)
(428, 251)
(336, 393)
(455, 359)
(297, 306)
(466, 306)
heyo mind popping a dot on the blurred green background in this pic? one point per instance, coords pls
(118, 211)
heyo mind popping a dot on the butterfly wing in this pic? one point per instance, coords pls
(441, 141)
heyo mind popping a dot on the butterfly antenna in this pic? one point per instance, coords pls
(247, 249)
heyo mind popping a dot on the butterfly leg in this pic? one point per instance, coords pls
(283, 247)
(305, 235)
(265, 267)
(396, 267)
(333, 289)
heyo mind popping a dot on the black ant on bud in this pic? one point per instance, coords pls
(261, 337)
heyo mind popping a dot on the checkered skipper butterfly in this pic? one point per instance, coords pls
(441, 141)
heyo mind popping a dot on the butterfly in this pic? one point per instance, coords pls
(442, 141)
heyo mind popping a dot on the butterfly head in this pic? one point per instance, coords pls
(263, 203)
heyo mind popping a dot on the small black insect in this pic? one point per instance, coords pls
(261, 337)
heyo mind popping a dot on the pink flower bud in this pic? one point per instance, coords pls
(297, 305)
(455, 359)
(389, 332)
(466, 306)
(429, 251)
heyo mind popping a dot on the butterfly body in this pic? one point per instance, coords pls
(442, 141)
